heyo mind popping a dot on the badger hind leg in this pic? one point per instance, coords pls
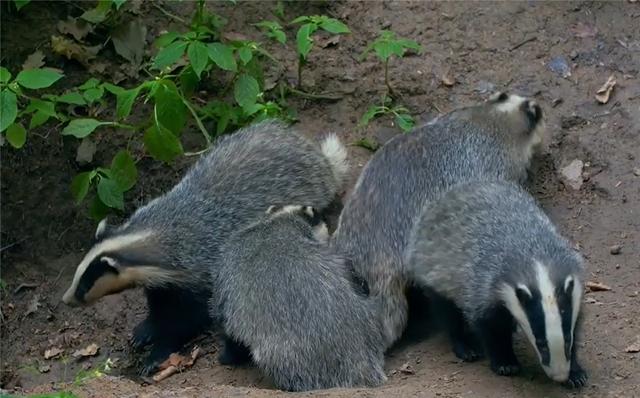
(464, 341)
(233, 352)
(496, 332)
(143, 335)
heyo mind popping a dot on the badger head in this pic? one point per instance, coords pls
(117, 261)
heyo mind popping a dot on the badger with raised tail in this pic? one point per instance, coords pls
(171, 245)
(490, 259)
(491, 140)
(287, 301)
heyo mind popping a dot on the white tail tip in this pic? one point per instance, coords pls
(336, 153)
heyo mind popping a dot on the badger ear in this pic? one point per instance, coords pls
(272, 209)
(523, 293)
(310, 211)
(499, 96)
(112, 262)
(103, 229)
(569, 284)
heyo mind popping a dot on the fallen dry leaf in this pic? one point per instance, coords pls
(89, 351)
(74, 51)
(328, 41)
(448, 80)
(85, 151)
(583, 31)
(604, 92)
(633, 348)
(129, 40)
(33, 305)
(234, 36)
(406, 369)
(78, 28)
(176, 363)
(52, 352)
(34, 61)
(597, 287)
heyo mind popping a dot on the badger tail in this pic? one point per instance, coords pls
(336, 154)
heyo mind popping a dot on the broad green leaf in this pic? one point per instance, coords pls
(98, 210)
(123, 170)
(46, 107)
(8, 108)
(170, 110)
(371, 113)
(198, 56)
(246, 91)
(245, 54)
(118, 3)
(110, 193)
(273, 30)
(5, 75)
(38, 119)
(91, 83)
(73, 97)
(188, 81)
(80, 185)
(404, 121)
(303, 39)
(21, 3)
(222, 55)
(81, 128)
(332, 25)
(169, 55)
(38, 78)
(93, 94)
(125, 100)
(16, 135)
(279, 36)
(410, 44)
(301, 19)
(162, 144)
(166, 39)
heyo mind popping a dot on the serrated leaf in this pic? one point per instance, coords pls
(371, 113)
(80, 185)
(123, 170)
(8, 108)
(16, 135)
(246, 91)
(110, 193)
(162, 144)
(303, 39)
(91, 83)
(170, 110)
(332, 25)
(81, 128)
(198, 56)
(404, 121)
(38, 78)
(169, 55)
(222, 55)
(5, 75)
(73, 97)
(245, 54)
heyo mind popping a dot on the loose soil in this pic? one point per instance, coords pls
(484, 46)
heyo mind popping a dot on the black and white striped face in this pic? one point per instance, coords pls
(547, 313)
(311, 215)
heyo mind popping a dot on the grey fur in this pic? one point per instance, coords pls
(480, 236)
(469, 144)
(289, 298)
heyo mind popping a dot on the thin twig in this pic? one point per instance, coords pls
(314, 96)
(198, 121)
(522, 43)
(170, 15)
(10, 245)
(200, 152)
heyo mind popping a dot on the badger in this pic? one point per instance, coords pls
(492, 259)
(171, 245)
(494, 139)
(287, 301)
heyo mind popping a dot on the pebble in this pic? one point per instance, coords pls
(572, 174)
(615, 249)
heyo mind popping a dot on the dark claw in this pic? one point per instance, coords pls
(142, 335)
(506, 369)
(577, 378)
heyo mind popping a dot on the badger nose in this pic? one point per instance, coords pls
(70, 299)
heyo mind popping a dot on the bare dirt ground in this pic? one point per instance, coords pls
(485, 45)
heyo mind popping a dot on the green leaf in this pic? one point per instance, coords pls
(198, 56)
(80, 185)
(93, 94)
(91, 83)
(188, 81)
(279, 36)
(118, 3)
(245, 54)
(98, 210)
(371, 113)
(169, 55)
(38, 78)
(301, 19)
(5, 75)
(123, 170)
(246, 91)
(410, 44)
(303, 39)
(166, 39)
(125, 100)
(222, 55)
(73, 97)
(170, 110)
(162, 144)
(110, 193)
(21, 3)
(16, 135)
(98, 14)
(38, 119)
(273, 30)
(404, 121)
(81, 128)
(332, 25)
(8, 108)
(46, 107)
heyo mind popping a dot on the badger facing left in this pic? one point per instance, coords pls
(490, 259)
(171, 245)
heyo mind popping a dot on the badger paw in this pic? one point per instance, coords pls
(467, 352)
(153, 361)
(143, 335)
(577, 378)
(234, 353)
(506, 369)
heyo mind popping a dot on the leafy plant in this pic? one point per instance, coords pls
(273, 30)
(304, 40)
(100, 370)
(387, 45)
(401, 115)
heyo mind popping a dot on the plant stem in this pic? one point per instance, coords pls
(314, 96)
(386, 77)
(300, 62)
(198, 121)
(170, 15)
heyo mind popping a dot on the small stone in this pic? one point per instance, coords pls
(636, 172)
(572, 174)
(386, 24)
(615, 249)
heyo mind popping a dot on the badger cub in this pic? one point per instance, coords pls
(490, 258)
(491, 140)
(287, 301)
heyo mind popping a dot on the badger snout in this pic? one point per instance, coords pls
(533, 111)
(70, 299)
(559, 373)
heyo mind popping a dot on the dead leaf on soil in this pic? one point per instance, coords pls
(633, 348)
(329, 41)
(89, 351)
(85, 151)
(44, 368)
(129, 40)
(52, 352)
(406, 369)
(33, 305)
(78, 28)
(176, 363)
(234, 36)
(604, 92)
(583, 31)
(597, 287)
(75, 51)
(34, 61)
(448, 80)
